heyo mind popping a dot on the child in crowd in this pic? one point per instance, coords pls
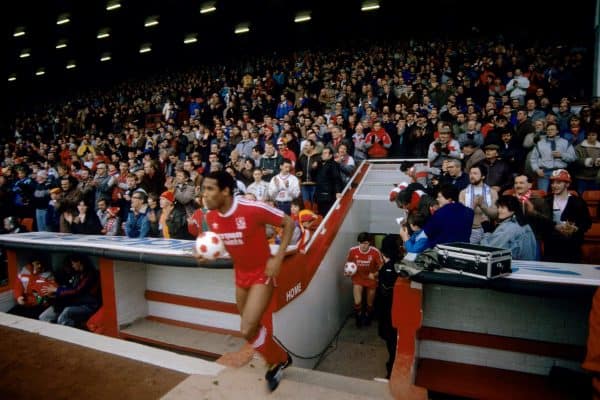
(416, 242)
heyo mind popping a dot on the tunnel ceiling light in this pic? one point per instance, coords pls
(145, 48)
(191, 38)
(208, 7)
(12, 77)
(40, 72)
(20, 31)
(105, 57)
(103, 33)
(302, 16)
(71, 64)
(63, 19)
(61, 44)
(151, 21)
(242, 28)
(370, 5)
(113, 5)
(25, 53)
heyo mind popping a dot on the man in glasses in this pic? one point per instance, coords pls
(138, 225)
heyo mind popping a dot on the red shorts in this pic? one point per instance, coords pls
(245, 279)
(364, 282)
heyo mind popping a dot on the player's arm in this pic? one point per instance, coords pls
(274, 263)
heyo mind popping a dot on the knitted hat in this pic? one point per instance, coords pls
(170, 196)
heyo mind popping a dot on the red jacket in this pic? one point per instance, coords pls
(378, 147)
(29, 285)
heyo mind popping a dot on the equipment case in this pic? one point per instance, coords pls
(474, 260)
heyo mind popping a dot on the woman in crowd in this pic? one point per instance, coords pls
(512, 232)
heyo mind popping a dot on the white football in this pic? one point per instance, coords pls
(350, 268)
(209, 245)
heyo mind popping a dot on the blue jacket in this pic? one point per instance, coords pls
(451, 223)
(137, 226)
(520, 240)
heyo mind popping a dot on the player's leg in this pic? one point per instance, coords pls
(257, 301)
(370, 302)
(252, 304)
(357, 291)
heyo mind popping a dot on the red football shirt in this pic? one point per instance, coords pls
(243, 231)
(367, 262)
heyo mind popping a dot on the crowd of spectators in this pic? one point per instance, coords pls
(130, 160)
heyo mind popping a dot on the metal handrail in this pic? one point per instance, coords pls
(321, 228)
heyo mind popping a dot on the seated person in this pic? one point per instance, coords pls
(85, 221)
(368, 260)
(27, 289)
(113, 222)
(416, 242)
(77, 299)
(512, 232)
(12, 224)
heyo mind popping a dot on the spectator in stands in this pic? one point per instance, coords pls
(471, 134)
(346, 163)
(40, 198)
(52, 215)
(328, 180)
(575, 134)
(284, 187)
(498, 172)
(512, 232)
(588, 162)
(22, 193)
(259, 188)
(27, 289)
(360, 147)
(113, 222)
(378, 142)
(415, 240)
(84, 221)
(452, 221)
(12, 224)
(102, 211)
(550, 154)
(443, 148)
(472, 155)
(138, 225)
(197, 222)
(453, 174)
(270, 162)
(566, 221)
(306, 171)
(172, 221)
(78, 298)
(183, 189)
(517, 87)
(368, 260)
(481, 198)
(103, 183)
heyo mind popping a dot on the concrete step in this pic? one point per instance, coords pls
(248, 383)
(193, 340)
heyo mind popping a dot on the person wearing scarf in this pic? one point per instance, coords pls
(172, 223)
(481, 199)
